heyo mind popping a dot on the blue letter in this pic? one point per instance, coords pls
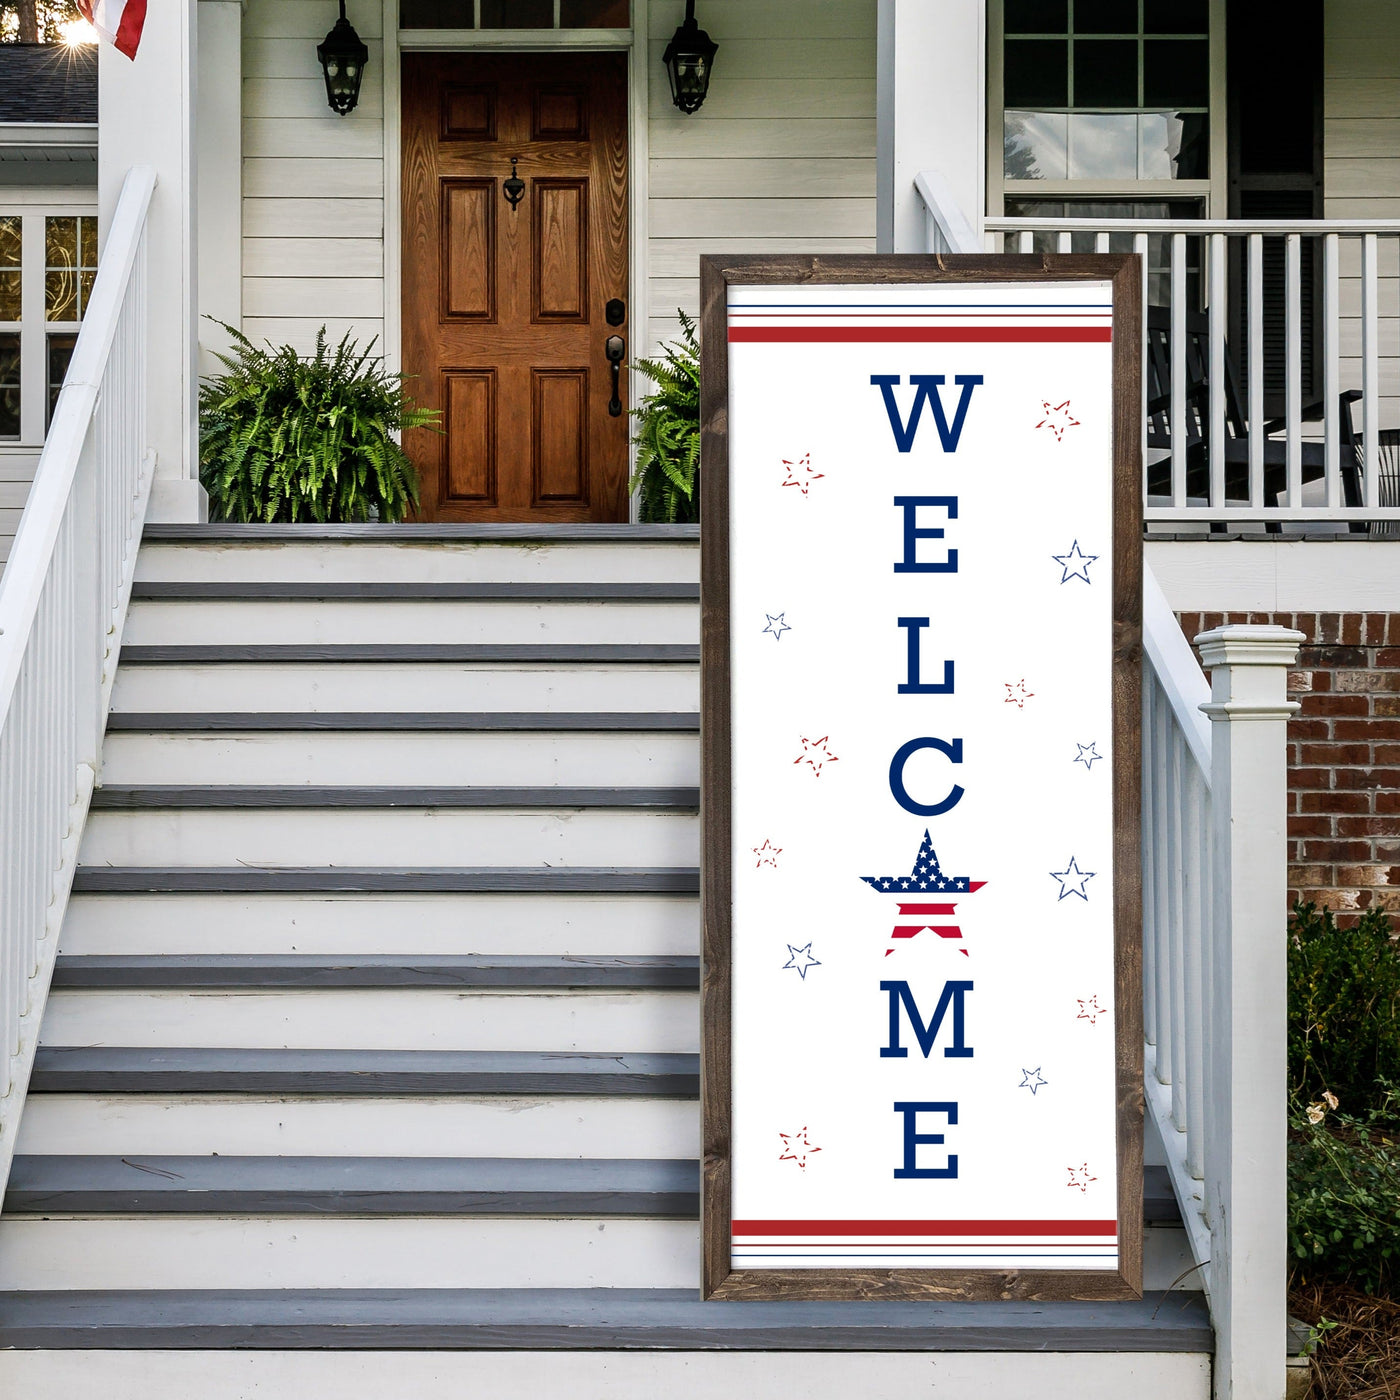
(900, 793)
(914, 1140)
(913, 533)
(953, 994)
(904, 432)
(914, 686)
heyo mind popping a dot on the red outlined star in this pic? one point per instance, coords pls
(1057, 418)
(1079, 1176)
(816, 752)
(1018, 694)
(800, 473)
(767, 854)
(1090, 1010)
(797, 1147)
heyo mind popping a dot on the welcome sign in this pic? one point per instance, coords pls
(922, 1045)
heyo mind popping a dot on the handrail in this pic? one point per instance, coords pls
(1041, 224)
(953, 228)
(63, 597)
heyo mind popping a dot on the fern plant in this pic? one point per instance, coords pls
(668, 438)
(287, 439)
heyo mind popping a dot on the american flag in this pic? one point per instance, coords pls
(119, 22)
(926, 877)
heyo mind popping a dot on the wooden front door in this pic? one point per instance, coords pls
(510, 312)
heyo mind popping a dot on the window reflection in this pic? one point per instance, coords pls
(1036, 145)
(61, 349)
(1106, 146)
(11, 244)
(1103, 146)
(70, 266)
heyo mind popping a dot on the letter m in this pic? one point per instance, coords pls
(901, 996)
(926, 388)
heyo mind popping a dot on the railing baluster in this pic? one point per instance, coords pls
(1195, 914)
(1175, 980)
(1178, 363)
(1161, 858)
(1150, 701)
(1066, 241)
(1370, 368)
(1332, 367)
(1219, 312)
(1293, 366)
(1256, 369)
(1027, 241)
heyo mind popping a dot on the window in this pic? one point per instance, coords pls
(1106, 90)
(514, 14)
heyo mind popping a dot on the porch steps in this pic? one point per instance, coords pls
(375, 1019)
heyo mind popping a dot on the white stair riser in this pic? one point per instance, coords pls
(321, 1252)
(343, 925)
(411, 837)
(177, 1126)
(437, 562)
(453, 759)
(266, 622)
(405, 687)
(417, 1019)
(603, 1375)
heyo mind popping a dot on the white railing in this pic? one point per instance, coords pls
(63, 599)
(1214, 766)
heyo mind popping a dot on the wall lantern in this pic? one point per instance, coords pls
(688, 58)
(343, 57)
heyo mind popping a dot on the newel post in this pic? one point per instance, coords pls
(1246, 1019)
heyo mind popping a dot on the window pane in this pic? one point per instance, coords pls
(1174, 145)
(595, 14)
(9, 385)
(60, 353)
(1037, 73)
(61, 269)
(10, 296)
(1105, 16)
(1105, 73)
(1035, 146)
(1176, 73)
(10, 241)
(517, 14)
(436, 14)
(1176, 17)
(88, 240)
(1037, 16)
(1102, 147)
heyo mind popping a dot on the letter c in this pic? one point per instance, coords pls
(953, 752)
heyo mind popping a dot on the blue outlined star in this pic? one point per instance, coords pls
(800, 959)
(776, 626)
(1030, 1079)
(1075, 564)
(1088, 754)
(1072, 880)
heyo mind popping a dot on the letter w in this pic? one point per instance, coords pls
(953, 994)
(904, 432)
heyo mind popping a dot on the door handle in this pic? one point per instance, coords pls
(614, 347)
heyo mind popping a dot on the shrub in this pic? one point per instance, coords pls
(668, 437)
(282, 438)
(1343, 1007)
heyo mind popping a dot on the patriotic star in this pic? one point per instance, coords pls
(1030, 1079)
(1090, 1010)
(1057, 419)
(816, 752)
(1088, 754)
(776, 626)
(1079, 1176)
(797, 1147)
(1072, 880)
(1018, 694)
(926, 877)
(767, 854)
(800, 473)
(1075, 564)
(800, 959)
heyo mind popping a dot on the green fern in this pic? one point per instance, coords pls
(286, 439)
(668, 438)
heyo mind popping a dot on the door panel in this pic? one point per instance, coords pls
(503, 324)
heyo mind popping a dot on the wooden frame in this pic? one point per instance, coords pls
(719, 1278)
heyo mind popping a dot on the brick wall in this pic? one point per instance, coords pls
(1343, 756)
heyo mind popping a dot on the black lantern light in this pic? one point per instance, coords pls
(688, 58)
(343, 57)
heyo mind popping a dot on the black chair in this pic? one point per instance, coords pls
(1197, 364)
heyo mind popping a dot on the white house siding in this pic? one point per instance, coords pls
(313, 182)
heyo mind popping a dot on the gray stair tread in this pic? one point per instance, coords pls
(159, 722)
(127, 797)
(250, 972)
(372, 1073)
(409, 533)
(417, 1186)
(607, 1319)
(413, 590)
(536, 653)
(219, 879)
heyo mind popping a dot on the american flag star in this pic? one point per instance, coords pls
(816, 752)
(1057, 418)
(1080, 1177)
(1031, 1079)
(926, 877)
(1072, 880)
(1090, 1010)
(797, 1147)
(767, 854)
(800, 473)
(1074, 564)
(1018, 694)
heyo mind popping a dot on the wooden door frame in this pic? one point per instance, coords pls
(633, 43)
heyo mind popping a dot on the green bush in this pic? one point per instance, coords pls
(1343, 1007)
(668, 437)
(282, 438)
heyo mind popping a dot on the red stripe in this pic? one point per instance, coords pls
(924, 1227)
(952, 334)
(129, 30)
(927, 908)
(909, 930)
